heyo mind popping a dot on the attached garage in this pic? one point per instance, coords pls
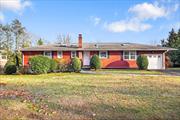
(155, 61)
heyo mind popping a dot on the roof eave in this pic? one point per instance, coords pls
(81, 49)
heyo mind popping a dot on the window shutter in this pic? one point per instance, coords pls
(108, 54)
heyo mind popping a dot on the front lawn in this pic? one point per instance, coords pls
(89, 96)
(131, 71)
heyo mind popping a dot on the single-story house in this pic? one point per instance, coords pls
(112, 55)
(3, 59)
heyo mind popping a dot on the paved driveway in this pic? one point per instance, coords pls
(171, 72)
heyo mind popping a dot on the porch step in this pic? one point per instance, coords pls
(85, 66)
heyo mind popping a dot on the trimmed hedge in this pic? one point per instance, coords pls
(76, 64)
(142, 62)
(10, 69)
(40, 64)
(95, 62)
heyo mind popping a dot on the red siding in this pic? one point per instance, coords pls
(54, 54)
(27, 55)
(67, 55)
(115, 59)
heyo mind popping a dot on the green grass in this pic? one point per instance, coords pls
(131, 71)
(175, 68)
(89, 96)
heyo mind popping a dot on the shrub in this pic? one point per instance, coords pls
(76, 64)
(53, 65)
(9, 62)
(142, 62)
(10, 69)
(64, 65)
(25, 70)
(40, 64)
(95, 62)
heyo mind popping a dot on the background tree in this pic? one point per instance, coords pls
(7, 38)
(1, 36)
(40, 42)
(25, 40)
(18, 31)
(173, 41)
(64, 39)
(13, 37)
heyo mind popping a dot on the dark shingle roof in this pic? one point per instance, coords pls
(97, 46)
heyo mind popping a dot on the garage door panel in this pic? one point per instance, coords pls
(155, 61)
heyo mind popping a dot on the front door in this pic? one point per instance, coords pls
(86, 58)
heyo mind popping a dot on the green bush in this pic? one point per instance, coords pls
(9, 62)
(10, 69)
(53, 65)
(15, 58)
(142, 62)
(40, 64)
(76, 64)
(95, 62)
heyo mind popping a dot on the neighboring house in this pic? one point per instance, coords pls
(3, 59)
(112, 55)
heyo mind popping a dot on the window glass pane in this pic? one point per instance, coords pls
(59, 54)
(132, 53)
(48, 54)
(126, 53)
(103, 54)
(73, 54)
(126, 57)
(133, 57)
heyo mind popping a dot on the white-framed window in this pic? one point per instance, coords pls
(4, 57)
(48, 54)
(59, 54)
(103, 54)
(129, 55)
(73, 54)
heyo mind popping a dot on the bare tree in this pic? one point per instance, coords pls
(64, 39)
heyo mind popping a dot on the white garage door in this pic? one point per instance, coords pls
(155, 61)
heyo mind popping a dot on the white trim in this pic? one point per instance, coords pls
(58, 54)
(103, 57)
(50, 54)
(129, 55)
(72, 54)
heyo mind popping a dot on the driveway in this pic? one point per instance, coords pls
(172, 72)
